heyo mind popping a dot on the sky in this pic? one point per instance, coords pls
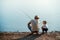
(15, 14)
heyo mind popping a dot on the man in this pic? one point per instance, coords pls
(33, 25)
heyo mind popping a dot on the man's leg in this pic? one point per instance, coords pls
(36, 32)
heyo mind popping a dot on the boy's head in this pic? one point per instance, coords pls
(44, 22)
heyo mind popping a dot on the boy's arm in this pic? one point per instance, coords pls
(47, 26)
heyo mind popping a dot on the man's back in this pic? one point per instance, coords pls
(34, 25)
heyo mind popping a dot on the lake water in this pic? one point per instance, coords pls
(15, 14)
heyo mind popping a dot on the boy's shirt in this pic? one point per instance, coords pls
(44, 26)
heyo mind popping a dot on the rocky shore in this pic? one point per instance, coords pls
(23, 36)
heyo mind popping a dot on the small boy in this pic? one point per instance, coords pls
(44, 27)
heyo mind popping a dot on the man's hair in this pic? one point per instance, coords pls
(36, 17)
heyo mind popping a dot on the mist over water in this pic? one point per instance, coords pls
(14, 14)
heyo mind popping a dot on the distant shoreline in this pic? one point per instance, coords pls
(22, 32)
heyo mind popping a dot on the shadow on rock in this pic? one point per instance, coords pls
(30, 37)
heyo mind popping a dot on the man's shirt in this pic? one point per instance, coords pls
(34, 25)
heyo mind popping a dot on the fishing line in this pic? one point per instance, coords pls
(26, 14)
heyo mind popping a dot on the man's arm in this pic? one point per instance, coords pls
(29, 23)
(29, 26)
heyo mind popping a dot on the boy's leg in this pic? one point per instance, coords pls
(43, 31)
(46, 30)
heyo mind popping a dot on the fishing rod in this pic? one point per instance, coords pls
(26, 14)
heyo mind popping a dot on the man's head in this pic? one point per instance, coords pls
(36, 17)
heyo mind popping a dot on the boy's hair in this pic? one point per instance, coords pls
(44, 22)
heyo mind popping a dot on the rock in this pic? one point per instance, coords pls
(57, 37)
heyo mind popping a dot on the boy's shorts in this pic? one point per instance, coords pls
(45, 29)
